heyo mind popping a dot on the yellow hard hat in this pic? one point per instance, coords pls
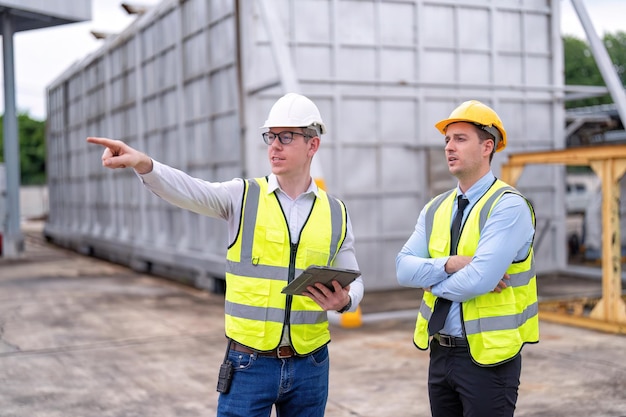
(473, 111)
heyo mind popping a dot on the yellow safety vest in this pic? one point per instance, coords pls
(261, 261)
(496, 325)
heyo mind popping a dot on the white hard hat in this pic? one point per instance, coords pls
(295, 110)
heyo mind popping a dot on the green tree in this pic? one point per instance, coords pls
(32, 140)
(581, 69)
(616, 45)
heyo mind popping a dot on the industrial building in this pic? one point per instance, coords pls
(190, 82)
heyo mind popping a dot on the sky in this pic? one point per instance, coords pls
(42, 55)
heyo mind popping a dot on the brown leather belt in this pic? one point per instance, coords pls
(280, 352)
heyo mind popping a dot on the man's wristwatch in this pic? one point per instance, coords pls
(346, 307)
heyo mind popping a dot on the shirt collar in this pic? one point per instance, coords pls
(479, 188)
(272, 185)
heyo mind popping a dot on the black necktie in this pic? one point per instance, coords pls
(442, 306)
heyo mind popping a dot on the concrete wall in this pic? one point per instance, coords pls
(34, 202)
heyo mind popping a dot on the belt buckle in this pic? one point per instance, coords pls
(446, 341)
(288, 352)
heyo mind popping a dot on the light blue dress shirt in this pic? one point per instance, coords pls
(506, 237)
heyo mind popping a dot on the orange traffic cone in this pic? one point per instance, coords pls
(351, 319)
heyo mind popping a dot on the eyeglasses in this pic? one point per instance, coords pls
(284, 137)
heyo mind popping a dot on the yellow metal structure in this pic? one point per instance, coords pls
(609, 163)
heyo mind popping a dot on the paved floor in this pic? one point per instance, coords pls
(80, 337)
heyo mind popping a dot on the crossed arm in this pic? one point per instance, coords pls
(506, 237)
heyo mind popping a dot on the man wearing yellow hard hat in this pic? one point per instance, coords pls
(472, 253)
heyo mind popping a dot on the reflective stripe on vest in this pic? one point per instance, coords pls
(496, 324)
(260, 263)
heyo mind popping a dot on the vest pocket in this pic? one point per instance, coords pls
(438, 246)
(248, 316)
(496, 304)
(274, 235)
(241, 329)
(274, 248)
(501, 338)
(253, 292)
(313, 257)
(497, 320)
(314, 334)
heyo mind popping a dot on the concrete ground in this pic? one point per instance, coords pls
(80, 337)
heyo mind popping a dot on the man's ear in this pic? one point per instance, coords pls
(314, 144)
(490, 144)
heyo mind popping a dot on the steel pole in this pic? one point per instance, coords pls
(13, 242)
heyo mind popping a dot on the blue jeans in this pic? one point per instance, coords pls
(297, 386)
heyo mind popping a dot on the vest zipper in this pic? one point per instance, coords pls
(291, 276)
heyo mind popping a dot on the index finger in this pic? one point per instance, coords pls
(102, 141)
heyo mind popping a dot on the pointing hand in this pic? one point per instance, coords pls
(117, 154)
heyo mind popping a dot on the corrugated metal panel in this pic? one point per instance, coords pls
(191, 82)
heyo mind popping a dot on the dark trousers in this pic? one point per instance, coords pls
(458, 387)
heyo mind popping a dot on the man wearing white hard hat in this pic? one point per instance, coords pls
(278, 225)
(472, 253)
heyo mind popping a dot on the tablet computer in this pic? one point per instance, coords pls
(323, 274)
